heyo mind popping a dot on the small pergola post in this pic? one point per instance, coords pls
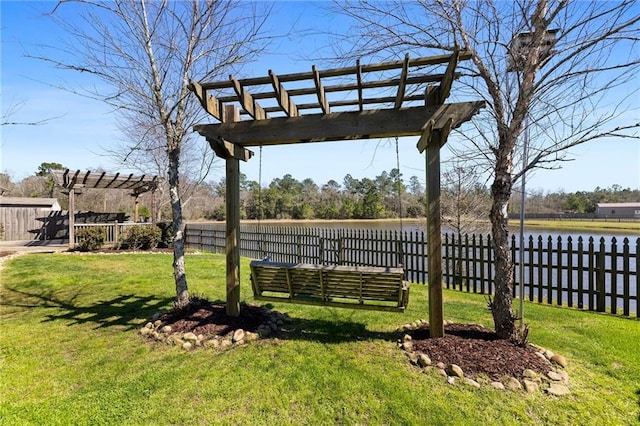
(72, 218)
(136, 211)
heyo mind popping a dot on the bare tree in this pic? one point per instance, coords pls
(576, 88)
(144, 53)
(465, 200)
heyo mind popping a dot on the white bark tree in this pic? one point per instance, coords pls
(143, 54)
(581, 88)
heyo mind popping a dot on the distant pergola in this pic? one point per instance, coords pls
(74, 182)
(391, 99)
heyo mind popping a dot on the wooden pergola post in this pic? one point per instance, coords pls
(233, 224)
(136, 211)
(434, 239)
(232, 154)
(72, 218)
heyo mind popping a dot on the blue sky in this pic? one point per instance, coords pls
(77, 130)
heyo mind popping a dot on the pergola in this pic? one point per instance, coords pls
(390, 99)
(74, 182)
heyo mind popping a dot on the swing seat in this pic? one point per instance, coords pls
(356, 287)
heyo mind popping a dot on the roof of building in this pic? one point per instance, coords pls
(29, 202)
(618, 205)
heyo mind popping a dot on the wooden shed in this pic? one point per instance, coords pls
(22, 218)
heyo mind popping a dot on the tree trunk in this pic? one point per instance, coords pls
(501, 306)
(182, 293)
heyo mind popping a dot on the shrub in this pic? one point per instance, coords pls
(144, 213)
(90, 239)
(141, 237)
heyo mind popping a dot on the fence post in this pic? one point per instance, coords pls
(116, 234)
(600, 277)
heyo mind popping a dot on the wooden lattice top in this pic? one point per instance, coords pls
(396, 84)
(101, 180)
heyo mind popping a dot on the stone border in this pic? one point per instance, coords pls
(156, 330)
(555, 382)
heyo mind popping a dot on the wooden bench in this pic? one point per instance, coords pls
(374, 288)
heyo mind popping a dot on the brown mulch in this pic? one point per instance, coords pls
(210, 319)
(479, 351)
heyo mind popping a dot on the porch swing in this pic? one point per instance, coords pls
(340, 286)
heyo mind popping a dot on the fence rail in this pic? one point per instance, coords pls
(113, 231)
(582, 273)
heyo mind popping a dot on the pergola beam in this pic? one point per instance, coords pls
(340, 126)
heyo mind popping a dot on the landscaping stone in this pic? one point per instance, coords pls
(471, 382)
(424, 360)
(559, 359)
(238, 336)
(564, 375)
(454, 370)
(250, 336)
(190, 337)
(497, 385)
(413, 357)
(558, 389)
(554, 376)
(530, 374)
(541, 355)
(530, 386)
(513, 384)
(187, 346)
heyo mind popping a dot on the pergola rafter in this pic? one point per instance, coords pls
(390, 99)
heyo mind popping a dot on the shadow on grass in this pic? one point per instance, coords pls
(334, 330)
(638, 394)
(128, 310)
(325, 331)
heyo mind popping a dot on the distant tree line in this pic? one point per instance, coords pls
(387, 195)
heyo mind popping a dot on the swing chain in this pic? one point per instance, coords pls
(399, 194)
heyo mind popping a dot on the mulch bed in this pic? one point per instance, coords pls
(478, 351)
(210, 319)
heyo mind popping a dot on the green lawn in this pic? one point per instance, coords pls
(71, 354)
